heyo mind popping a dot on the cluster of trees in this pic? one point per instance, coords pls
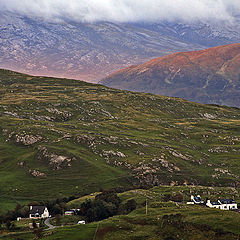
(105, 205)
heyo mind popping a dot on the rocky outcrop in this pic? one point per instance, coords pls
(36, 173)
(26, 139)
(85, 140)
(59, 115)
(56, 161)
(21, 164)
(111, 153)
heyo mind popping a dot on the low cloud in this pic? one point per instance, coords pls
(125, 10)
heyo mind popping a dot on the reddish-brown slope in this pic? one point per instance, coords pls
(208, 76)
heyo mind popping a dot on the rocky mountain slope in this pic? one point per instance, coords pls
(91, 51)
(61, 137)
(206, 76)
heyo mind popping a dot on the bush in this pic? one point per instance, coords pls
(128, 207)
(177, 198)
(10, 225)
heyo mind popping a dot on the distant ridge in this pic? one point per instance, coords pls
(91, 51)
(206, 76)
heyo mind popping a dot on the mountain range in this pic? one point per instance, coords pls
(207, 76)
(90, 51)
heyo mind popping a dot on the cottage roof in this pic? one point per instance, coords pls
(198, 199)
(215, 203)
(227, 201)
(37, 209)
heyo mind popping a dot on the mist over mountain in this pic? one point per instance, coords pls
(126, 10)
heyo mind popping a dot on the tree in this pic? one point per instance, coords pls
(109, 197)
(24, 212)
(38, 233)
(166, 197)
(56, 209)
(10, 225)
(58, 219)
(85, 206)
(177, 197)
(34, 224)
(131, 205)
(103, 206)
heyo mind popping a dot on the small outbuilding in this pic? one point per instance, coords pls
(81, 222)
(69, 213)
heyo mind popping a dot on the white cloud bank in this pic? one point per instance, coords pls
(125, 10)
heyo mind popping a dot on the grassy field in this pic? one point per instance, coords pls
(60, 137)
(78, 232)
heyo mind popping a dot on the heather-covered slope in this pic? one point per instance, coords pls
(206, 76)
(60, 137)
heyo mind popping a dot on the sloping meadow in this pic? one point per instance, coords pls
(61, 137)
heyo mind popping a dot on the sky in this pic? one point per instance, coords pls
(125, 10)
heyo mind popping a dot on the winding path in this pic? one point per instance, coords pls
(50, 226)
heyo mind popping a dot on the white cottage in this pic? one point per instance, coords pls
(214, 204)
(197, 199)
(228, 204)
(223, 204)
(38, 212)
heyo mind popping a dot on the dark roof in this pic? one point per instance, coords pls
(227, 201)
(215, 203)
(198, 199)
(37, 209)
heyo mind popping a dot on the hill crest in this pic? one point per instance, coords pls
(207, 76)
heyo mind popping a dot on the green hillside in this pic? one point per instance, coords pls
(61, 137)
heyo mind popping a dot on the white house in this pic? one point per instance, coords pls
(223, 204)
(228, 204)
(196, 200)
(211, 204)
(38, 212)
